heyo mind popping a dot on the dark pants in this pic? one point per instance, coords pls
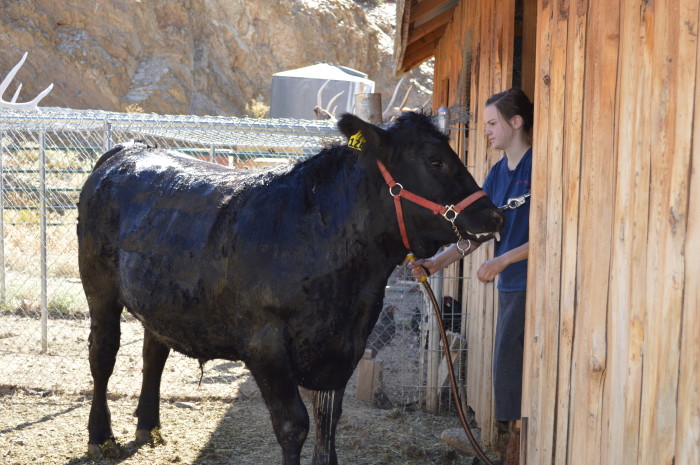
(508, 355)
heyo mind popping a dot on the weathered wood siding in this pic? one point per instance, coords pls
(612, 369)
(613, 317)
(473, 61)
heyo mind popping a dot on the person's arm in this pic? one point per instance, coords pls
(448, 256)
(490, 268)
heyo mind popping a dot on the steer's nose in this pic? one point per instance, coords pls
(497, 218)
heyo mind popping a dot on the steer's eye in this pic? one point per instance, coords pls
(435, 163)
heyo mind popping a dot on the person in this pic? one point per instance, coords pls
(508, 118)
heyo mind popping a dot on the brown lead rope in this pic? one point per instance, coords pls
(450, 370)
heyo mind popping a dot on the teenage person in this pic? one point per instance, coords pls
(508, 118)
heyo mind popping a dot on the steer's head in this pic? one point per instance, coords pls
(419, 157)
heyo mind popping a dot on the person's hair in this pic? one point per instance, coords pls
(513, 102)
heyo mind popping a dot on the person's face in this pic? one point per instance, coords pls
(499, 130)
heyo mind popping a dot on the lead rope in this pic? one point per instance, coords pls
(450, 367)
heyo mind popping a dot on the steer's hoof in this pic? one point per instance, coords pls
(153, 437)
(109, 450)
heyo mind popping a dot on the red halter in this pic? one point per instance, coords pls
(449, 212)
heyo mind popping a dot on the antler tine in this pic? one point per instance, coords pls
(326, 113)
(14, 97)
(405, 98)
(320, 93)
(332, 101)
(31, 105)
(388, 109)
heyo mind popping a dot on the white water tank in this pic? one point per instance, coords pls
(294, 92)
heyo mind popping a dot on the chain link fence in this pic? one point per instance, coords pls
(44, 323)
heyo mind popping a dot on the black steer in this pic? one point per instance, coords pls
(284, 270)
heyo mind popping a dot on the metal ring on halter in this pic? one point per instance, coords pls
(450, 208)
(395, 185)
(464, 251)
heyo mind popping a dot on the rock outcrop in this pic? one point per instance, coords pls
(188, 56)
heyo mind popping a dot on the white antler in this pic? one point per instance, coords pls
(326, 113)
(393, 111)
(32, 105)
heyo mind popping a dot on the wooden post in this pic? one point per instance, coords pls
(369, 107)
(369, 377)
(457, 344)
(432, 400)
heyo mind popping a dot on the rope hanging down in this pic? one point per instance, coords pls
(450, 368)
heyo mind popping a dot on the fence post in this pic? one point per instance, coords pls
(44, 268)
(212, 154)
(108, 136)
(3, 289)
(369, 107)
(432, 400)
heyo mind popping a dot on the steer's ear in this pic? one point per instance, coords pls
(362, 136)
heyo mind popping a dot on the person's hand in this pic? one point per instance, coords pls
(490, 268)
(421, 269)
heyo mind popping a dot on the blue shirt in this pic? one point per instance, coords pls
(500, 185)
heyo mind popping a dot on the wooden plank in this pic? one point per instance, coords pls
(532, 347)
(478, 293)
(433, 358)
(529, 49)
(369, 377)
(417, 54)
(687, 447)
(596, 220)
(437, 22)
(484, 323)
(544, 272)
(454, 44)
(673, 80)
(426, 8)
(423, 42)
(505, 42)
(568, 304)
(457, 344)
(630, 231)
(491, 73)
(424, 36)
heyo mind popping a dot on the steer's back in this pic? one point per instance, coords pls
(150, 229)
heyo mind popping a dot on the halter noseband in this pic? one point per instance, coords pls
(449, 212)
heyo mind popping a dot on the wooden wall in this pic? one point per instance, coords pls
(612, 369)
(613, 318)
(473, 61)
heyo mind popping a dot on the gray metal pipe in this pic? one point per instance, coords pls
(44, 267)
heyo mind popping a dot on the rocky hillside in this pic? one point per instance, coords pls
(189, 56)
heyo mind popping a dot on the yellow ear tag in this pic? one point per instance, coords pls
(357, 141)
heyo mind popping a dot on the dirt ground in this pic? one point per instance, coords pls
(42, 428)
(213, 417)
(210, 416)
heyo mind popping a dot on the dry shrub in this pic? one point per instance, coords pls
(257, 109)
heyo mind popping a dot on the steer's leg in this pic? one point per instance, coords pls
(328, 405)
(148, 411)
(270, 364)
(105, 313)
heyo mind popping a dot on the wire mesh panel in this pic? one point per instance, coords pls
(44, 323)
(406, 341)
(45, 158)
